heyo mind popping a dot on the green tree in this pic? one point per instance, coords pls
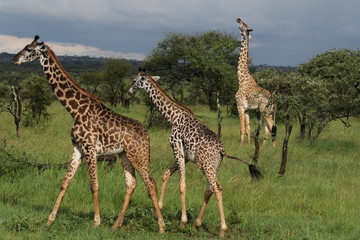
(114, 86)
(324, 89)
(92, 81)
(287, 98)
(5, 93)
(201, 64)
(334, 77)
(37, 96)
(167, 60)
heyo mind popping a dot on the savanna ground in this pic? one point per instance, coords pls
(317, 198)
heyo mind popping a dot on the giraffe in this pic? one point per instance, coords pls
(96, 131)
(190, 141)
(250, 95)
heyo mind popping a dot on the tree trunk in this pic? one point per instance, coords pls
(17, 109)
(310, 130)
(288, 129)
(256, 138)
(211, 100)
(219, 116)
(302, 122)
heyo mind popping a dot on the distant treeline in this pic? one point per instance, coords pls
(79, 64)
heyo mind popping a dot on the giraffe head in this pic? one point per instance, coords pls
(31, 52)
(243, 27)
(141, 81)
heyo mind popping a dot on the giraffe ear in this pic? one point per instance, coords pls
(156, 78)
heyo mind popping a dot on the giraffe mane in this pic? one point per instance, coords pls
(77, 87)
(167, 95)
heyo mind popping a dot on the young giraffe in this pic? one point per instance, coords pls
(97, 131)
(250, 95)
(190, 141)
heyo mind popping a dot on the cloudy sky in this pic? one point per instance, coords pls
(286, 32)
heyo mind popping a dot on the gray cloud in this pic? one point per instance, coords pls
(285, 32)
(15, 44)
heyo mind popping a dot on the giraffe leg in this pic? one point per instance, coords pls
(207, 195)
(179, 154)
(151, 188)
(269, 124)
(267, 132)
(217, 189)
(182, 189)
(130, 182)
(74, 165)
(214, 187)
(247, 127)
(166, 178)
(241, 112)
(94, 185)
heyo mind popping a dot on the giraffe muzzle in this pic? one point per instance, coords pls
(16, 60)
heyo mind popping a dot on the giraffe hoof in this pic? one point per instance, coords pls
(51, 219)
(182, 224)
(198, 223)
(162, 230)
(222, 233)
(115, 227)
(161, 226)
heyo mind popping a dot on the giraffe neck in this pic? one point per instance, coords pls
(75, 99)
(243, 72)
(170, 109)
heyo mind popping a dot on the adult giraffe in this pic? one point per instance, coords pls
(190, 141)
(250, 95)
(97, 131)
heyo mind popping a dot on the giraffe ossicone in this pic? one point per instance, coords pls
(96, 131)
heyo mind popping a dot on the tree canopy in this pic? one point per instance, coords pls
(321, 90)
(201, 64)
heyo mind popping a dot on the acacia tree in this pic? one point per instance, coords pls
(287, 101)
(37, 96)
(324, 89)
(114, 86)
(109, 83)
(92, 81)
(15, 105)
(335, 75)
(167, 60)
(202, 64)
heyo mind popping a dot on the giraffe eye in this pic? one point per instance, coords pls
(27, 49)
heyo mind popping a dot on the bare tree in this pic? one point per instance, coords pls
(15, 108)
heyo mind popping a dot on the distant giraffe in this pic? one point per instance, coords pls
(97, 131)
(190, 141)
(250, 95)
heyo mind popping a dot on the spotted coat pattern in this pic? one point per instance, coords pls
(190, 141)
(97, 131)
(250, 95)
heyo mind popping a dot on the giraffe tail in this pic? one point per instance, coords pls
(254, 172)
(273, 132)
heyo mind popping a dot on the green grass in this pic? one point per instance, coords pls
(317, 198)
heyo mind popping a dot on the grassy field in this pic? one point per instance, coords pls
(318, 198)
